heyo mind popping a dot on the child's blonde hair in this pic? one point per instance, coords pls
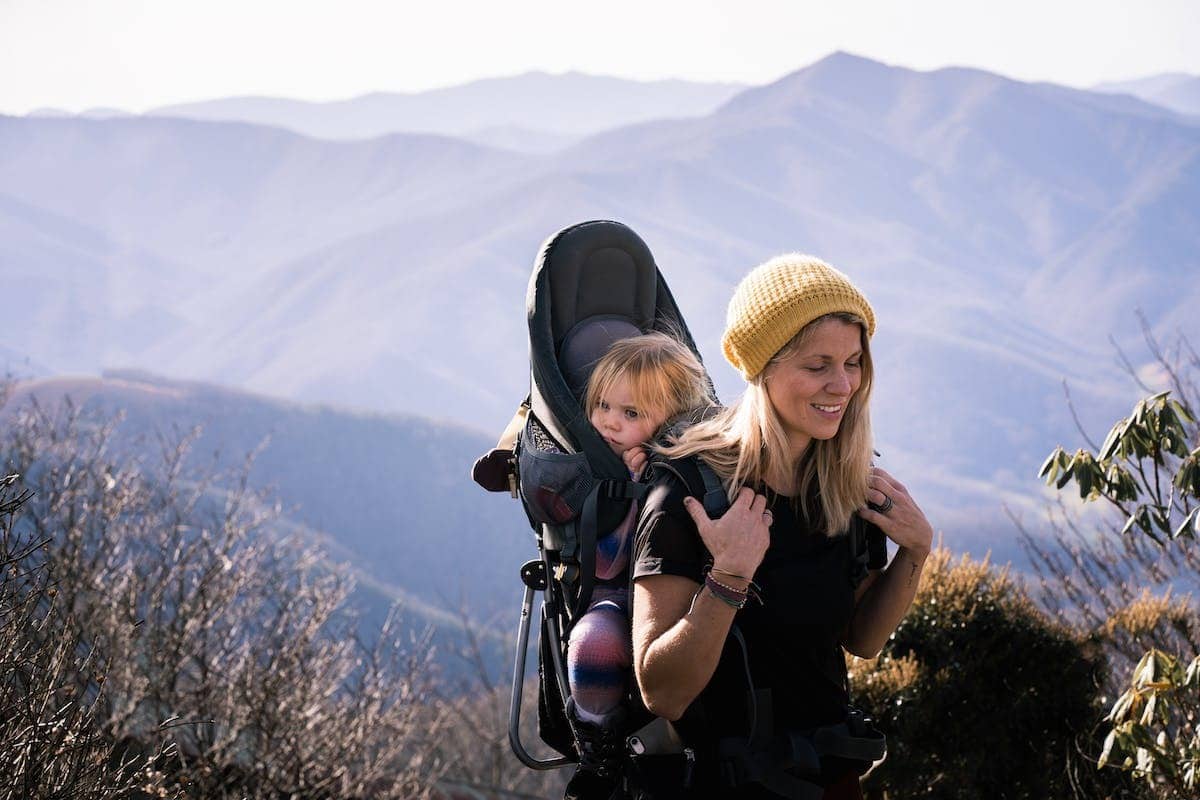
(665, 377)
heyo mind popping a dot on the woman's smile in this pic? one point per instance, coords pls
(811, 388)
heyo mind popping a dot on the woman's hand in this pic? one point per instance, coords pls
(739, 538)
(904, 523)
(635, 461)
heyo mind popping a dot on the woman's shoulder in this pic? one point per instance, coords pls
(667, 540)
(671, 480)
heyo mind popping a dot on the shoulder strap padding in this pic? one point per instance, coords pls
(859, 552)
(700, 480)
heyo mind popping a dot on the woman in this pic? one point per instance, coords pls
(794, 455)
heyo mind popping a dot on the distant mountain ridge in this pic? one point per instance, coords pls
(531, 112)
(1177, 91)
(1003, 230)
(387, 494)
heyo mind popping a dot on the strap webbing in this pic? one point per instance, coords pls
(713, 496)
(838, 740)
(716, 502)
(859, 552)
(582, 548)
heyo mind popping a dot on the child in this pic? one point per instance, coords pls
(639, 384)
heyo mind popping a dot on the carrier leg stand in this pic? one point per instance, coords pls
(533, 575)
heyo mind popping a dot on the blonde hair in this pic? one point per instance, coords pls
(746, 443)
(665, 377)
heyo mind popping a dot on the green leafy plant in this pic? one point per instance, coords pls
(1154, 730)
(1148, 469)
(1144, 469)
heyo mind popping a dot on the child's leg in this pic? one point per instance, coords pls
(599, 657)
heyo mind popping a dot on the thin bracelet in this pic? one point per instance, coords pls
(752, 589)
(728, 574)
(710, 568)
(726, 586)
(726, 593)
(738, 604)
(729, 601)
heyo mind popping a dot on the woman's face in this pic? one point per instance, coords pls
(811, 388)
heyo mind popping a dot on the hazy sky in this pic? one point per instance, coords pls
(136, 54)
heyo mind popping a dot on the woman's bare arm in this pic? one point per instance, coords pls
(883, 600)
(678, 630)
(676, 643)
(884, 597)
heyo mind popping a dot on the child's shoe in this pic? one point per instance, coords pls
(601, 750)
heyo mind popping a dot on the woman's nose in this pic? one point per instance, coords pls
(840, 383)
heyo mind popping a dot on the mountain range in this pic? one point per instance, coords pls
(1003, 230)
(1177, 91)
(385, 495)
(533, 112)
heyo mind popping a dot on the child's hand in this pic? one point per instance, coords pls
(635, 461)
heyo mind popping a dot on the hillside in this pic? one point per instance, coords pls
(388, 495)
(1003, 230)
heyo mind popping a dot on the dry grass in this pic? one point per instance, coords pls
(158, 641)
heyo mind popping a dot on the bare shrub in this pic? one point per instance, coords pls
(476, 745)
(51, 744)
(227, 660)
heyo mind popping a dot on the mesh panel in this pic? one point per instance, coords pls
(554, 483)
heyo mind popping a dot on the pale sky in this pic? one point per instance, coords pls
(138, 54)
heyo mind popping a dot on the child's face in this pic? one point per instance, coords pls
(620, 421)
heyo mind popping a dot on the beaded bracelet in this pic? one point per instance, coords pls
(751, 589)
(726, 586)
(726, 594)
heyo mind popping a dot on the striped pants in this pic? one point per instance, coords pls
(600, 654)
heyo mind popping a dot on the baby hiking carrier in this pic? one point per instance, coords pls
(592, 284)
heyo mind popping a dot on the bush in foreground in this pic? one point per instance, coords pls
(981, 694)
(160, 639)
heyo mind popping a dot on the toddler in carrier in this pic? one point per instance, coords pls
(639, 384)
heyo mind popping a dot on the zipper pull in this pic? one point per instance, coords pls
(690, 755)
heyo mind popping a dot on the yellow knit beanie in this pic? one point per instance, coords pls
(777, 299)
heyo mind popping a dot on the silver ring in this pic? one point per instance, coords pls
(768, 516)
(887, 505)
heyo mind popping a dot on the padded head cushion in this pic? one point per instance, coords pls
(601, 271)
(586, 343)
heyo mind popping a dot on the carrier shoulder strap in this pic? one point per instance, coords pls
(859, 550)
(580, 551)
(700, 480)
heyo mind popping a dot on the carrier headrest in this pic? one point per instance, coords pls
(586, 343)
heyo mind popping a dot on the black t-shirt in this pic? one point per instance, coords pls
(793, 640)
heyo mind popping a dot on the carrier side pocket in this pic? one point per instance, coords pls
(553, 482)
